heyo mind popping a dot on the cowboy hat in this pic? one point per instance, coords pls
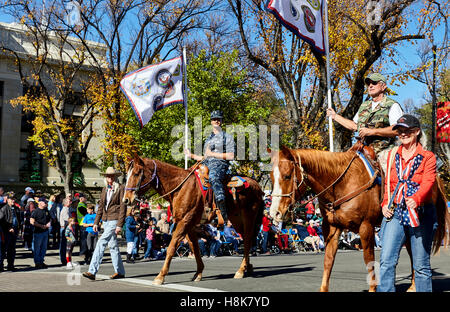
(111, 171)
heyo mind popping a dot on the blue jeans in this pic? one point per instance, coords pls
(62, 246)
(40, 241)
(394, 235)
(149, 248)
(265, 236)
(214, 247)
(109, 238)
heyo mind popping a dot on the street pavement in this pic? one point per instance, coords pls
(297, 272)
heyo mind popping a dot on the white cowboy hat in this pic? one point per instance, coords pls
(111, 171)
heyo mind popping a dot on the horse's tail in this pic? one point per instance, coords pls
(443, 218)
(258, 221)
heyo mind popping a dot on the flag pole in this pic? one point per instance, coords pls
(186, 129)
(327, 55)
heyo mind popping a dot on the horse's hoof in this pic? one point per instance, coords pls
(158, 281)
(197, 278)
(412, 288)
(239, 274)
(323, 289)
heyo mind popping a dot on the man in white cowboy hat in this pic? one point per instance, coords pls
(112, 212)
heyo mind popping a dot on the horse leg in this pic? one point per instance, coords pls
(411, 288)
(193, 243)
(367, 235)
(331, 234)
(245, 264)
(177, 237)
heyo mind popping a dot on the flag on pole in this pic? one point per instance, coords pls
(154, 87)
(303, 18)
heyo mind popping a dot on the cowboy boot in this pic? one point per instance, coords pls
(223, 211)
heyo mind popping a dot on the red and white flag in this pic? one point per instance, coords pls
(154, 87)
(303, 18)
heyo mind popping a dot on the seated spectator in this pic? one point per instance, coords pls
(163, 228)
(232, 237)
(304, 235)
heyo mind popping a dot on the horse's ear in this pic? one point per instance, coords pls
(287, 152)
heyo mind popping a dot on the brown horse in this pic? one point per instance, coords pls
(180, 188)
(333, 176)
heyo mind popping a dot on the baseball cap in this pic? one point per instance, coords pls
(407, 121)
(29, 189)
(375, 77)
(43, 199)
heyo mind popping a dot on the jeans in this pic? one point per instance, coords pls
(109, 238)
(40, 241)
(149, 248)
(265, 236)
(214, 247)
(394, 235)
(62, 246)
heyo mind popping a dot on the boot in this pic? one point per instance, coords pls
(223, 210)
(129, 259)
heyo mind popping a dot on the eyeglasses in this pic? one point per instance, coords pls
(216, 119)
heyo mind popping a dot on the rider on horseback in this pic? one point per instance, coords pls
(375, 118)
(218, 151)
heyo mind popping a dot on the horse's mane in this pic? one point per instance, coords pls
(324, 162)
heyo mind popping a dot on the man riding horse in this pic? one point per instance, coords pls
(375, 118)
(218, 151)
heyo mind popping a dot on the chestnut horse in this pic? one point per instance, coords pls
(333, 176)
(181, 189)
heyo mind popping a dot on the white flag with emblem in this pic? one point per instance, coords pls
(154, 87)
(303, 18)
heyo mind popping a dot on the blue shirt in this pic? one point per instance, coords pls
(89, 219)
(228, 232)
(221, 142)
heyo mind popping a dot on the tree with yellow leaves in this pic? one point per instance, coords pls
(358, 44)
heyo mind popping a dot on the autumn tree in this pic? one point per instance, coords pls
(53, 72)
(130, 34)
(357, 45)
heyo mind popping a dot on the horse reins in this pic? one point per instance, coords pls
(329, 206)
(137, 188)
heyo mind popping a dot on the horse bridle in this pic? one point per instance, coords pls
(139, 186)
(295, 185)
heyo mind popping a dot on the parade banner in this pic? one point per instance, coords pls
(303, 18)
(443, 122)
(154, 87)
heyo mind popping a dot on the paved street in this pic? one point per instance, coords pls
(300, 272)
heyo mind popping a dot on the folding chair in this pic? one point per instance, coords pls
(226, 248)
(183, 250)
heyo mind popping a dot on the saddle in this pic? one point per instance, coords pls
(234, 185)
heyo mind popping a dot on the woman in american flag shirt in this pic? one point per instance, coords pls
(408, 212)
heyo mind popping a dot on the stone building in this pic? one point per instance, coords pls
(20, 163)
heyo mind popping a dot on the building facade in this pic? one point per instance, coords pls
(20, 163)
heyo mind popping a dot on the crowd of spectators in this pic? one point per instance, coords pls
(57, 222)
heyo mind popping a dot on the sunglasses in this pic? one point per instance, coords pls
(216, 119)
(406, 131)
(372, 83)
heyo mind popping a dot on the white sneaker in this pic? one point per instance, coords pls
(69, 265)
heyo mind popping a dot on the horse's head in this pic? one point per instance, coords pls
(288, 183)
(139, 178)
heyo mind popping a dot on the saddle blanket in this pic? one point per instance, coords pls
(368, 166)
(205, 189)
